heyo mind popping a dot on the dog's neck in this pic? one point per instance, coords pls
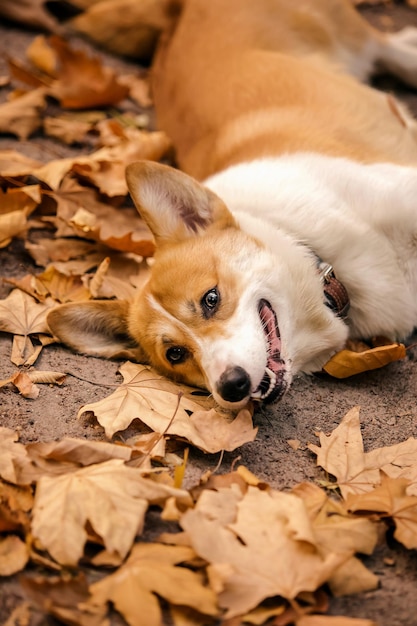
(337, 297)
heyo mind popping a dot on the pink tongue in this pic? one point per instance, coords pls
(275, 362)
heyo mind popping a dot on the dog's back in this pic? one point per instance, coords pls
(240, 80)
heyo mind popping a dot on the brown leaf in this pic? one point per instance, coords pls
(13, 163)
(62, 597)
(111, 496)
(13, 456)
(83, 82)
(41, 55)
(329, 620)
(21, 315)
(268, 549)
(67, 130)
(350, 362)
(25, 385)
(342, 455)
(152, 569)
(14, 555)
(164, 406)
(15, 504)
(390, 500)
(22, 116)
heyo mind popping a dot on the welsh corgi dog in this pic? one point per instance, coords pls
(292, 222)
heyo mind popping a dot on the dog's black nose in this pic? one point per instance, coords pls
(234, 384)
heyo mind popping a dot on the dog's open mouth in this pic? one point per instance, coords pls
(273, 384)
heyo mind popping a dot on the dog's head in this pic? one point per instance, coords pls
(220, 309)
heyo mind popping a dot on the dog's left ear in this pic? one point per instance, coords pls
(174, 205)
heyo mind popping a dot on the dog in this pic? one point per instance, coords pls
(303, 231)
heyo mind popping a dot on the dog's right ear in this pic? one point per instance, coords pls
(98, 328)
(174, 205)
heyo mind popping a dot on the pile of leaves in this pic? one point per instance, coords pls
(231, 550)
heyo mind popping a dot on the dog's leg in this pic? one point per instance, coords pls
(398, 55)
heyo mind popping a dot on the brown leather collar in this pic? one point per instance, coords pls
(337, 297)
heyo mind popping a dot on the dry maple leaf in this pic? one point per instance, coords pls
(165, 407)
(342, 455)
(330, 620)
(14, 554)
(20, 314)
(349, 362)
(22, 116)
(13, 163)
(111, 496)
(62, 597)
(151, 570)
(396, 461)
(13, 456)
(269, 549)
(105, 167)
(15, 504)
(83, 82)
(391, 500)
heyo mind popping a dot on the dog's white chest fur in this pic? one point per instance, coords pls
(362, 219)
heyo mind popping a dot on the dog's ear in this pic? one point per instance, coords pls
(98, 328)
(174, 205)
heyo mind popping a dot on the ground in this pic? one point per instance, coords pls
(387, 398)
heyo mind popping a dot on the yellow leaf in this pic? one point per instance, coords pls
(390, 500)
(14, 555)
(264, 546)
(165, 407)
(21, 315)
(13, 456)
(111, 496)
(22, 116)
(348, 363)
(152, 569)
(329, 620)
(342, 455)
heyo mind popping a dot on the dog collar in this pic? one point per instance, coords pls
(337, 298)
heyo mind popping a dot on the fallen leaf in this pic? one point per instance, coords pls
(20, 314)
(329, 620)
(111, 496)
(150, 571)
(66, 130)
(348, 362)
(22, 116)
(64, 598)
(165, 407)
(42, 56)
(342, 455)
(13, 456)
(25, 385)
(15, 505)
(14, 555)
(83, 82)
(267, 550)
(391, 500)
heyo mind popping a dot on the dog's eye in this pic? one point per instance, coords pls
(210, 302)
(177, 354)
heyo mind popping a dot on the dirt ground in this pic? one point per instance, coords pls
(387, 398)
